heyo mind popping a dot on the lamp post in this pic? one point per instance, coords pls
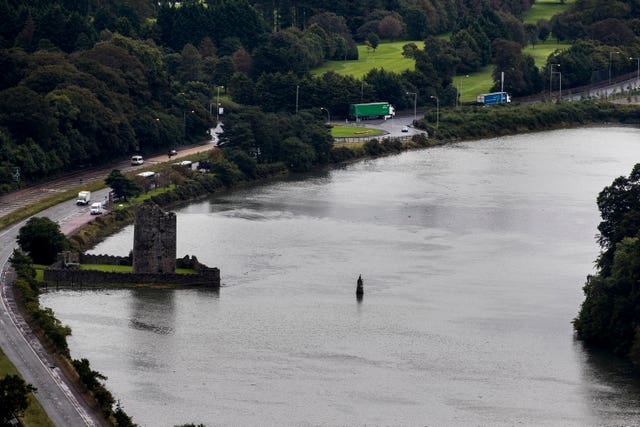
(638, 73)
(415, 103)
(551, 77)
(437, 110)
(328, 114)
(184, 124)
(610, 59)
(560, 88)
(218, 105)
(458, 101)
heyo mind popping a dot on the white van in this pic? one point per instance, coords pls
(136, 160)
(96, 208)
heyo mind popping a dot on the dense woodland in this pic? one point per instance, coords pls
(86, 82)
(610, 315)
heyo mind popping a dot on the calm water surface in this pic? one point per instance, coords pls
(473, 257)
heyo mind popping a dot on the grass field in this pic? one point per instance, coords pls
(387, 56)
(545, 9)
(474, 84)
(541, 51)
(352, 131)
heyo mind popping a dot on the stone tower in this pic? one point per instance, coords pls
(154, 240)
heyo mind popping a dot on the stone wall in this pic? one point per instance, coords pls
(208, 277)
(104, 259)
(154, 240)
(66, 271)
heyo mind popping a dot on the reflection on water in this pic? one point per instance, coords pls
(614, 383)
(473, 258)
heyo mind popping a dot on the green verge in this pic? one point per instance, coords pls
(353, 131)
(45, 203)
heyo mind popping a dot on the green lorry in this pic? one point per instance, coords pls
(371, 111)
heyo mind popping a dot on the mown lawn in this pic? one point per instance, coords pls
(125, 268)
(474, 84)
(541, 51)
(352, 131)
(387, 56)
(545, 9)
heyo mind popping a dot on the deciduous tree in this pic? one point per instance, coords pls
(14, 393)
(42, 239)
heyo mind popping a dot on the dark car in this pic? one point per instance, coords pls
(172, 152)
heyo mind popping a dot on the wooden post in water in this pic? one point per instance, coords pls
(359, 288)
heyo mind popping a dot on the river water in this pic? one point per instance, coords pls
(473, 257)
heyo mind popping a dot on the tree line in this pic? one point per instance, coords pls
(86, 83)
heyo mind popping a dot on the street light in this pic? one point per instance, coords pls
(610, 55)
(560, 90)
(638, 73)
(437, 110)
(415, 102)
(551, 77)
(460, 90)
(328, 114)
(218, 105)
(184, 124)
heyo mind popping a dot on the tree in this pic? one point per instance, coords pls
(122, 418)
(390, 27)
(373, 40)
(610, 314)
(122, 186)
(299, 156)
(42, 239)
(14, 397)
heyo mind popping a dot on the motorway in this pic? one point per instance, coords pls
(63, 405)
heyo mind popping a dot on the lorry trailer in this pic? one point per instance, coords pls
(493, 98)
(371, 111)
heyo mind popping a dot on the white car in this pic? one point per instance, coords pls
(405, 129)
(96, 208)
(136, 160)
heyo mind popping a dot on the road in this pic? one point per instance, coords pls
(25, 351)
(390, 127)
(63, 406)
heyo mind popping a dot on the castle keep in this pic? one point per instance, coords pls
(153, 258)
(154, 240)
